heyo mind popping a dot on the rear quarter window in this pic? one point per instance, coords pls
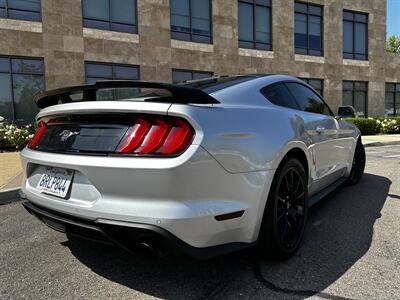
(279, 95)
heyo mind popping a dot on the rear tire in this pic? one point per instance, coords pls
(357, 169)
(285, 215)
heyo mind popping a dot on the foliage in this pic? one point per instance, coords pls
(14, 137)
(393, 44)
(372, 126)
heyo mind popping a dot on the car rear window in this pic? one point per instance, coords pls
(279, 95)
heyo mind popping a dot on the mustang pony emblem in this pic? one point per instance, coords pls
(66, 134)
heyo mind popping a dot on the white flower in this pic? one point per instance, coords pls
(1, 119)
(31, 136)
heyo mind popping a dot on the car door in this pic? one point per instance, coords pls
(321, 128)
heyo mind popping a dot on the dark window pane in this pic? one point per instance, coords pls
(348, 37)
(96, 9)
(31, 5)
(180, 15)
(280, 95)
(98, 70)
(2, 3)
(360, 104)
(126, 73)
(23, 15)
(123, 11)
(201, 38)
(306, 98)
(390, 87)
(245, 22)
(243, 44)
(398, 87)
(2, 13)
(4, 64)
(348, 85)
(200, 17)
(315, 10)
(348, 16)
(389, 104)
(6, 110)
(123, 28)
(263, 2)
(314, 29)
(361, 18)
(24, 88)
(201, 75)
(360, 38)
(262, 24)
(347, 98)
(96, 24)
(29, 66)
(180, 76)
(300, 7)
(360, 86)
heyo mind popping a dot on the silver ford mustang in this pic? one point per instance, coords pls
(202, 168)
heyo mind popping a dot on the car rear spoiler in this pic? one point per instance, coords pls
(179, 94)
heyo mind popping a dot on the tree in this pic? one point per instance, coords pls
(393, 44)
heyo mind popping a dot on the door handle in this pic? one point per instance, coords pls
(320, 129)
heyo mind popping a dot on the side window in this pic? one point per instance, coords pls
(307, 99)
(280, 95)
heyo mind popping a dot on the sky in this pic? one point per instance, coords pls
(393, 17)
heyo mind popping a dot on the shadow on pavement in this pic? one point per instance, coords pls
(339, 233)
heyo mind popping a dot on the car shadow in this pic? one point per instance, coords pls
(339, 233)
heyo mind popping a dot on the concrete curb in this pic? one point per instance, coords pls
(9, 196)
(379, 144)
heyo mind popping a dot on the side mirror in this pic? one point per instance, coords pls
(346, 112)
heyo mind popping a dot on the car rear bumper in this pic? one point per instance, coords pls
(134, 237)
(181, 195)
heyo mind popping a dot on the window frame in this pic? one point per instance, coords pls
(6, 9)
(191, 34)
(109, 22)
(189, 71)
(11, 73)
(307, 20)
(395, 98)
(354, 22)
(299, 108)
(108, 65)
(254, 3)
(354, 91)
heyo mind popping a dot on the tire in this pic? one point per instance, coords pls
(357, 169)
(285, 215)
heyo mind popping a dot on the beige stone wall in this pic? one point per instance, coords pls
(65, 46)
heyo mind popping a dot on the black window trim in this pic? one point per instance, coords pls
(191, 71)
(135, 26)
(321, 25)
(270, 45)
(190, 24)
(303, 84)
(395, 100)
(112, 65)
(353, 54)
(6, 8)
(10, 57)
(353, 93)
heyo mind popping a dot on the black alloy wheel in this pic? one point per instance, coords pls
(358, 166)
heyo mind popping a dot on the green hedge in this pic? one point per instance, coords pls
(372, 126)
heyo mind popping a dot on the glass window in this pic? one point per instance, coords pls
(355, 35)
(20, 80)
(280, 95)
(307, 99)
(191, 20)
(316, 84)
(187, 75)
(355, 93)
(20, 9)
(115, 15)
(254, 19)
(308, 29)
(392, 100)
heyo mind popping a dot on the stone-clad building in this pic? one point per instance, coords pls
(338, 46)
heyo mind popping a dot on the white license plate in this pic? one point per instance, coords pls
(55, 181)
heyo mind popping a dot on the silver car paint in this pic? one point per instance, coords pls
(239, 144)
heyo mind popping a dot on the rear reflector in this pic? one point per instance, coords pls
(229, 216)
(157, 136)
(38, 135)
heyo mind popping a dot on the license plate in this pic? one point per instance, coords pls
(55, 181)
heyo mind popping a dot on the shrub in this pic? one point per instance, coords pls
(366, 126)
(389, 125)
(14, 137)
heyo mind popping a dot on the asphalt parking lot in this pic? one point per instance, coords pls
(351, 250)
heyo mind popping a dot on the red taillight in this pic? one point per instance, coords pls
(38, 135)
(157, 136)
